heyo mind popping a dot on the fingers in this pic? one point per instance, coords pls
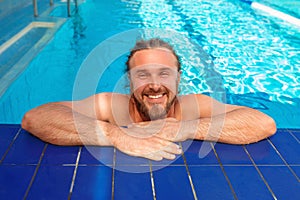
(164, 150)
(173, 149)
(158, 156)
(153, 148)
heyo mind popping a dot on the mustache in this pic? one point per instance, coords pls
(160, 90)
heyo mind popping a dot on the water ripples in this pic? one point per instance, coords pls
(251, 53)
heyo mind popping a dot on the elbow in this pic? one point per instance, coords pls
(26, 121)
(30, 119)
(30, 123)
(270, 127)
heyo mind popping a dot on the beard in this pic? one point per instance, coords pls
(156, 111)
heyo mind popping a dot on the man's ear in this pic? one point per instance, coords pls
(130, 82)
(128, 75)
(179, 75)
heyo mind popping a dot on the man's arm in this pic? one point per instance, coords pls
(59, 124)
(242, 125)
(214, 121)
(230, 123)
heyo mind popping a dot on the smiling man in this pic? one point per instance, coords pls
(154, 81)
(153, 117)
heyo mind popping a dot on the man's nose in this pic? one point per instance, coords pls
(154, 83)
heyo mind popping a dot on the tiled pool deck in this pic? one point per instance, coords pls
(32, 169)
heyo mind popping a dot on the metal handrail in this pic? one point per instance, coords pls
(51, 4)
(69, 8)
(35, 8)
(36, 13)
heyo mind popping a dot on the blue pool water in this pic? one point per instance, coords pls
(256, 57)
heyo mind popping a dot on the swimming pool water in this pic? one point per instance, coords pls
(288, 6)
(256, 57)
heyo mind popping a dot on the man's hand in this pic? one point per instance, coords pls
(143, 144)
(168, 129)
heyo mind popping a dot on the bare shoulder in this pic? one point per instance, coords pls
(110, 104)
(102, 106)
(192, 100)
(109, 96)
(200, 105)
(189, 107)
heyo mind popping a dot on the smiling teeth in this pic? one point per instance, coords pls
(155, 96)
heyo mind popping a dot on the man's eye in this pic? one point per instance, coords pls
(164, 74)
(142, 75)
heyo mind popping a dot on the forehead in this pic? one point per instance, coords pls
(158, 56)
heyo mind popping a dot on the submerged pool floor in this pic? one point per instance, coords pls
(32, 169)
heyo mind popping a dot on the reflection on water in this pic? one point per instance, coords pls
(78, 27)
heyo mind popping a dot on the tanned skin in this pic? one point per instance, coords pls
(155, 116)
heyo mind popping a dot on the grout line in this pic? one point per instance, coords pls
(144, 165)
(286, 164)
(75, 173)
(152, 181)
(113, 176)
(266, 165)
(189, 174)
(35, 171)
(293, 136)
(95, 165)
(10, 145)
(295, 165)
(224, 173)
(260, 174)
(159, 165)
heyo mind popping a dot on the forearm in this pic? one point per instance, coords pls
(237, 127)
(60, 125)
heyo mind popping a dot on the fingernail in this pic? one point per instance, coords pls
(179, 150)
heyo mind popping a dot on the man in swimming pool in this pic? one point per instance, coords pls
(149, 121)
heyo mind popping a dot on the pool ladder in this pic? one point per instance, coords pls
(51, 4)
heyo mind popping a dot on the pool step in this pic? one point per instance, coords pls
(22, 36)
(17, 52)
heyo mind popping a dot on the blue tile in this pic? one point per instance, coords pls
(296, 169)
(172, 183)
(14, 180)
(26, 149)
(58, 155)
(287, 146)
(199, 153)
(133, 185)
(93, 155)
(282, 182)
(7, 134)
(10, 126)
(52, 182)
(124, 159)
(263, 153)
(93, 182)
(246, 182)
(296, 133)
(294, 130)
(210, 183)
(232, 154)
